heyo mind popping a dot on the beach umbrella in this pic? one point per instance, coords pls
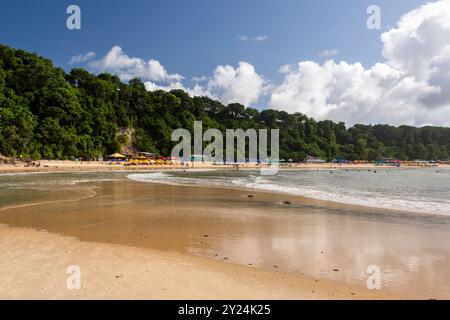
(116, 155)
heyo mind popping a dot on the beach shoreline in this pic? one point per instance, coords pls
(56, 166)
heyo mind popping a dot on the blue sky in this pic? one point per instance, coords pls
(193, 37)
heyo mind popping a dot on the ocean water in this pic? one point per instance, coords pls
(25, 188)
(415, 190)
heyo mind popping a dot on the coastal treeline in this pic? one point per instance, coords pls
(46, 113)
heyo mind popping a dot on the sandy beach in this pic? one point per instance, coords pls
(76, 166)
(150, 241)
(33, 266)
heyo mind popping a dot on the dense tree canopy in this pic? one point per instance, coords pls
(48, 114)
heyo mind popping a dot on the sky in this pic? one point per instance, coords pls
(315, 57)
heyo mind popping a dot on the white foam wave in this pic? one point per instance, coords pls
(402, 202)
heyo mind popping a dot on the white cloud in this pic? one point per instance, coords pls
(81, 58)
(245, 38)
(126, 68)
(241, 84)
(411, 87)
(285, 69)
(200, 79)
(328, 53)
(420, 35)
(228, 84)
(196, 91)
(260, 38)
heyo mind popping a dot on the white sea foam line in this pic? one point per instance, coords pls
(377, 201)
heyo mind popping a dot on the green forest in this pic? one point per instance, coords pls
(46, 113)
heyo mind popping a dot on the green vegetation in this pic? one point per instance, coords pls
(48, 114)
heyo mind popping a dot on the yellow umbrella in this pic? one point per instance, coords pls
(116, 155)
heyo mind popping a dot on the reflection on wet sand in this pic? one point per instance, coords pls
(306, 237)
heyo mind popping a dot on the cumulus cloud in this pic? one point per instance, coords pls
(127, 68)
(227, 83)
(286, 69)
(350, 93)
(410, 87)
(197, 90)
(81, 58)
(241, 84)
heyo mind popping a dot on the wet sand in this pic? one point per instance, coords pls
(307, 239)
(34, 266)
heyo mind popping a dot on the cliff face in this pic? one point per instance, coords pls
(125, 137)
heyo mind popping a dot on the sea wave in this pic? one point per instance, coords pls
(382, 198)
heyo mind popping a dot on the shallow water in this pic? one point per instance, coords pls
(418, 190)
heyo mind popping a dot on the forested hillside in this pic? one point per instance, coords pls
(46, 113)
